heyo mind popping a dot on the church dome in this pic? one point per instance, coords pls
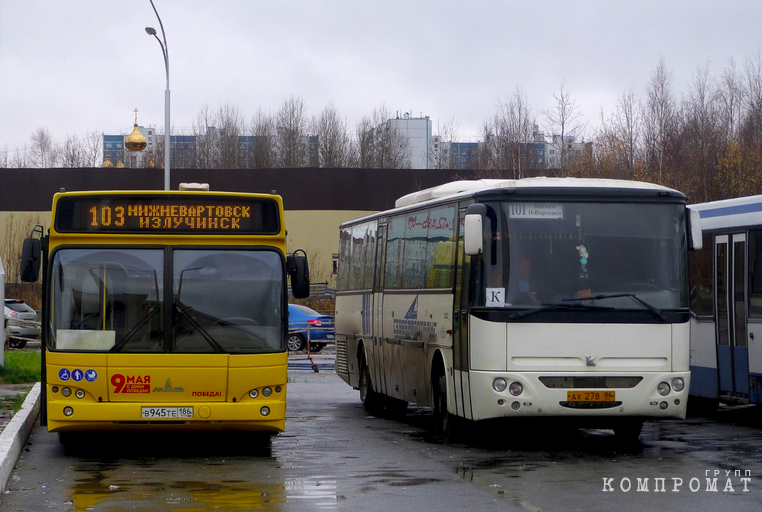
(135, 141)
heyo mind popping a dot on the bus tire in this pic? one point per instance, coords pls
(371, 401)
(442, 418)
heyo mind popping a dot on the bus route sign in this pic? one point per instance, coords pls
(167, 214)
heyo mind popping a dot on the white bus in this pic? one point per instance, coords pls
(726, 302)
(436, 304)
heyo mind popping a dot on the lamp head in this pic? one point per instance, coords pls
(150, 31)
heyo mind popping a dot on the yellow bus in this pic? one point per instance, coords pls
(164, 310)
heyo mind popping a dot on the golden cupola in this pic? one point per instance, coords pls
(135, 141)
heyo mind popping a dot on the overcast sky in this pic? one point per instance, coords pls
(80, 66)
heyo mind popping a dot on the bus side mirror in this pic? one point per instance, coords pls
(473, 241)
(299, 272)
(473, 234)
(29, 268)
(695, 237)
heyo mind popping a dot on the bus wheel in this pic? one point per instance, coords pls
(371, 401)
(628, 432)
(441, 416)
(295, 342)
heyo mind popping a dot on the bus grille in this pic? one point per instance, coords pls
(588, 382)
(342, 364)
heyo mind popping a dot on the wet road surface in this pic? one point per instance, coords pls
(335, 456)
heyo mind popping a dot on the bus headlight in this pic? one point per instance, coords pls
(253, 393)
(663, 389)
(66, 392)
(515, 388)
(265, 411)
(68, 411)
(678, 384)
(499, 384)
(267, 392)
(80, 393)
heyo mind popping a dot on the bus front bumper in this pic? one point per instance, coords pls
(259, 416)
(643, 400)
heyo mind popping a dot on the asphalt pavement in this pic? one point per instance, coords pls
(15, 428)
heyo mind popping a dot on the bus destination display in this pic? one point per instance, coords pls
(167, 214)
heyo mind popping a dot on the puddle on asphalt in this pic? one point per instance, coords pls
(97, 486)
(100, 478)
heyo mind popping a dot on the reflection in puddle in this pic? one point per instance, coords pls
(131, 479)
(200, 496)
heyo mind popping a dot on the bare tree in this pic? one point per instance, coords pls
(20, 159)
(72, 153)
(92, 148)
(291, 130)
(730, 97)
(44, 151)
(565, 124)
(700, 133)
(204, 131)
(332, 138)
(230, 123)
(263, 150)
(515, 124)
(363, 152)
(628, 127)
(380, 144)
(659, 119)
(446, 135)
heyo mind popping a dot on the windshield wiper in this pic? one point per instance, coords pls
(146, 319)
(549, 307)
(127, 337)
(654, 310)
(184, 312)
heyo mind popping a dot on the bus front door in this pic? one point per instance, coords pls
(732, 343)
(460, 352)
(377, 316)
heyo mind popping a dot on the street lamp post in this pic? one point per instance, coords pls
(165, 51)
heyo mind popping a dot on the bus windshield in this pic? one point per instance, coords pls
(559, 252)
(114, 300)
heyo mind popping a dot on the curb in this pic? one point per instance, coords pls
(16, 432)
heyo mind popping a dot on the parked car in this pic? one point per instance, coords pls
(21, 322)
(305, 323)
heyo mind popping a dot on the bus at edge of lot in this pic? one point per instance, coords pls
(726, 302)
(493, 299)
(164, 310)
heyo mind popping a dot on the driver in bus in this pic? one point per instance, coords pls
(524, 291)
